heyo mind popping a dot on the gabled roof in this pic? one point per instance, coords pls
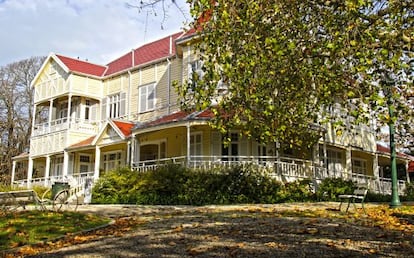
(147, 53)
(76, 65)
(124, 127)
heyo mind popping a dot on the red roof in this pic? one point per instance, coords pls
(411, 167)
(125, 127)
(86, 142)
(178, 117)
(80, 66)
(158, 49)
(386, 150)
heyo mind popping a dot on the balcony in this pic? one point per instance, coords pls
(79, 125)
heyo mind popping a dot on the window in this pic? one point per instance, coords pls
(146, 97)
(334, 160)
(63, 112)
(114, 105)
(232, 149)
(87, 109)
(112, 160)
(58, 166)
(84, 163)
(195, 71)
(196, 144)
(359, 166)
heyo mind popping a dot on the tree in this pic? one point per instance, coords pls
(159, 6)
(284, 64)
(16, 110)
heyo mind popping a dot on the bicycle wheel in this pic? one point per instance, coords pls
(64, 202)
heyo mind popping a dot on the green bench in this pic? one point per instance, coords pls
(359, 195)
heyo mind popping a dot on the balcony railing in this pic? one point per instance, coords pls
(64, 124)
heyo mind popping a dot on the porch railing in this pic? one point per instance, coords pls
(75, 180)
(283, 169)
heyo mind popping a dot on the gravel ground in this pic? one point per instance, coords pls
(240, 231)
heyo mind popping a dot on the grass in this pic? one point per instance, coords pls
(31, 227)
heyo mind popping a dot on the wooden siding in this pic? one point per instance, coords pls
(358, 137)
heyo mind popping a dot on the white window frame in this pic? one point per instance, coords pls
(109, 163)
(194, 67)
(233, 148)
(196, 144)
(114, 104)
(335, 160)
(58, 166)
(85, 163)
(146, 103)
(359, 168)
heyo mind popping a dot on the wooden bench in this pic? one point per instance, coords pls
(358, 195)
(14, 199)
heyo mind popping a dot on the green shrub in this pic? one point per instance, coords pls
(175, 185)
(330, 188)
(377, 197)
(298, 191)
(409, 192)
(116, 186)
(163, 185)
(40, 190)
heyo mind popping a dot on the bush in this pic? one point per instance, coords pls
(165, 185)
(175, 185)
(330, 188)
(409, 192)
(116, 186)
(298, 191)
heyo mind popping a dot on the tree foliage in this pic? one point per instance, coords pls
(16, 110)
(285, 63)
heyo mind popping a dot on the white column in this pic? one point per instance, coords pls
(188, 143)
(13, 173)
(69, 110)
(34, 117)
(47, 170)
(128, 159)
(50, 115)
(97, 163)
(348, 162)
(65, 163)
(375, 167)
(406, 171)
(132, 151)
(29, 173)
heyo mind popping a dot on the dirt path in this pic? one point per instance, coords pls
(283, 230)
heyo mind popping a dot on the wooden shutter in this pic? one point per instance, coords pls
(122, 106)
(104, 108)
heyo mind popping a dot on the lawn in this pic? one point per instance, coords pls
(33, 226)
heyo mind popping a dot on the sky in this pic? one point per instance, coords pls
(95, 30)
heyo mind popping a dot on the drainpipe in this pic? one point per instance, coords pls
(129, 153)
(129, 95)
(168, 86)
(188, 144)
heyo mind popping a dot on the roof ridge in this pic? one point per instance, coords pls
(80, 60)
